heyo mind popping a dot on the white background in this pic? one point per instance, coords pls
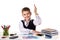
(49, 12)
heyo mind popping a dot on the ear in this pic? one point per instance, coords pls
(30, 13)
(22, 14)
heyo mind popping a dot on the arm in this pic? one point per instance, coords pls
(22, 29)
(38, 20)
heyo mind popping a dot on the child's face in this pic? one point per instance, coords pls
(26, 15)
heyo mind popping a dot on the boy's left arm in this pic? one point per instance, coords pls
(38, 20)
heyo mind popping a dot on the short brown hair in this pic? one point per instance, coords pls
(25, 9)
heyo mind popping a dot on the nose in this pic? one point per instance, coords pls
(26, 15)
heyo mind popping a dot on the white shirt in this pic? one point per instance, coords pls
(23, 30)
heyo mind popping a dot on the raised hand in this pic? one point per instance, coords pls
(35, 10)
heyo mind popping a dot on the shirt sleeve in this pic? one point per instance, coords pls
(37, 21)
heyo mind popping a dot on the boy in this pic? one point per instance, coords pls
(29, 25)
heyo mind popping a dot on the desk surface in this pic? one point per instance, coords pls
(30, 37)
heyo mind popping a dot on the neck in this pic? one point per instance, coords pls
(27, 20)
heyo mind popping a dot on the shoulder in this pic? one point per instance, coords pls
(20, 22)
(32, 20)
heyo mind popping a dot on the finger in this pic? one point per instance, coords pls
(34, 6)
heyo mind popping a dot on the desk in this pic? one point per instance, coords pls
(21, 37)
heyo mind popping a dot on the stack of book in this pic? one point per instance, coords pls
(49, 32)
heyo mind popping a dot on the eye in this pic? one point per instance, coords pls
(28, 13)
(24, 14)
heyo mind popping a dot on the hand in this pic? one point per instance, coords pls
(35, 10)
(35, 32)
